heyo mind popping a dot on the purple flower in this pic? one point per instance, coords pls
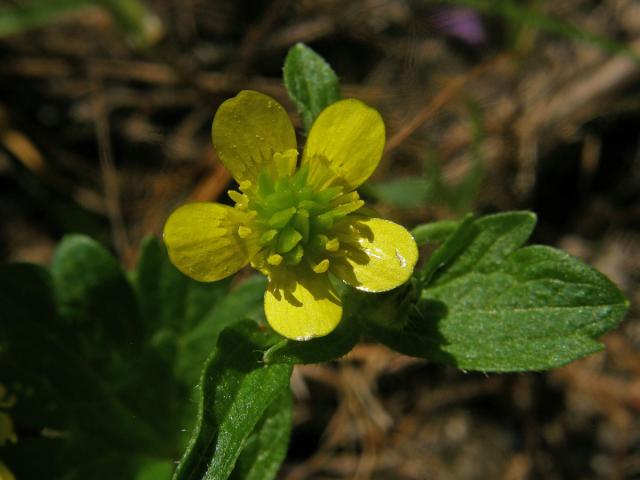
(461, 23)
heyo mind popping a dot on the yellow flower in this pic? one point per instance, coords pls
(299, 223)
(7, 433)
(5, 473)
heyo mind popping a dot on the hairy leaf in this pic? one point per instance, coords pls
(67, 400)
(495, 306)
(310, 81)
(266, 448)
(237, 388)
(84, 276)
(104, 366)
(434, 232)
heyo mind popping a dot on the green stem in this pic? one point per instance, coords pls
(140, 25)
(26, 17)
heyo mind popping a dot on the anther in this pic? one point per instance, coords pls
(237, 196)
(321, 267)
(332, 245)
(274, 259)
(244, 232)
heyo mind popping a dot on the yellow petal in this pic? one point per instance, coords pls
(302, 306)
(203, 241)
(7, 432)
(248, 130)
(382, 257)
(5, 473)
(346, 139)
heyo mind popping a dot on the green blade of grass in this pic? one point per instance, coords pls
(514, 11)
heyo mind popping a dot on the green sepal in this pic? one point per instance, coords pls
(323, 349)
(453, 246)
(434, 232)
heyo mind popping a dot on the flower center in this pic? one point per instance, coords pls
(292, 222)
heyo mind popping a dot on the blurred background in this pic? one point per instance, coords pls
(105, 112)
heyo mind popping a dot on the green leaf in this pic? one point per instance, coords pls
(94, 294)
(84, 274)
(58, 390)
(189, 315)
(434, 232)
(245, 302)
(237, 388)
(186, 315)
(17, 19)
(323, 349)
(139, 24)
(155, 470)
(494, 237)
(499, 307)
(310, 81)
(266, 448)
(103, 365)
(450, 249)
(168, 299)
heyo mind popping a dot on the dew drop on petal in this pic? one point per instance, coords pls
(375, 253)
(401, 259)
(304, 338)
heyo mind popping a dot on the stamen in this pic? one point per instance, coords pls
(321, 267)
(301, 177)
(244, 231)
(292, 218)
(345, 209)
(285, 162)
(346, 198)
(332, 245)
(237, 196)
(274, 259)
(329, 194)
